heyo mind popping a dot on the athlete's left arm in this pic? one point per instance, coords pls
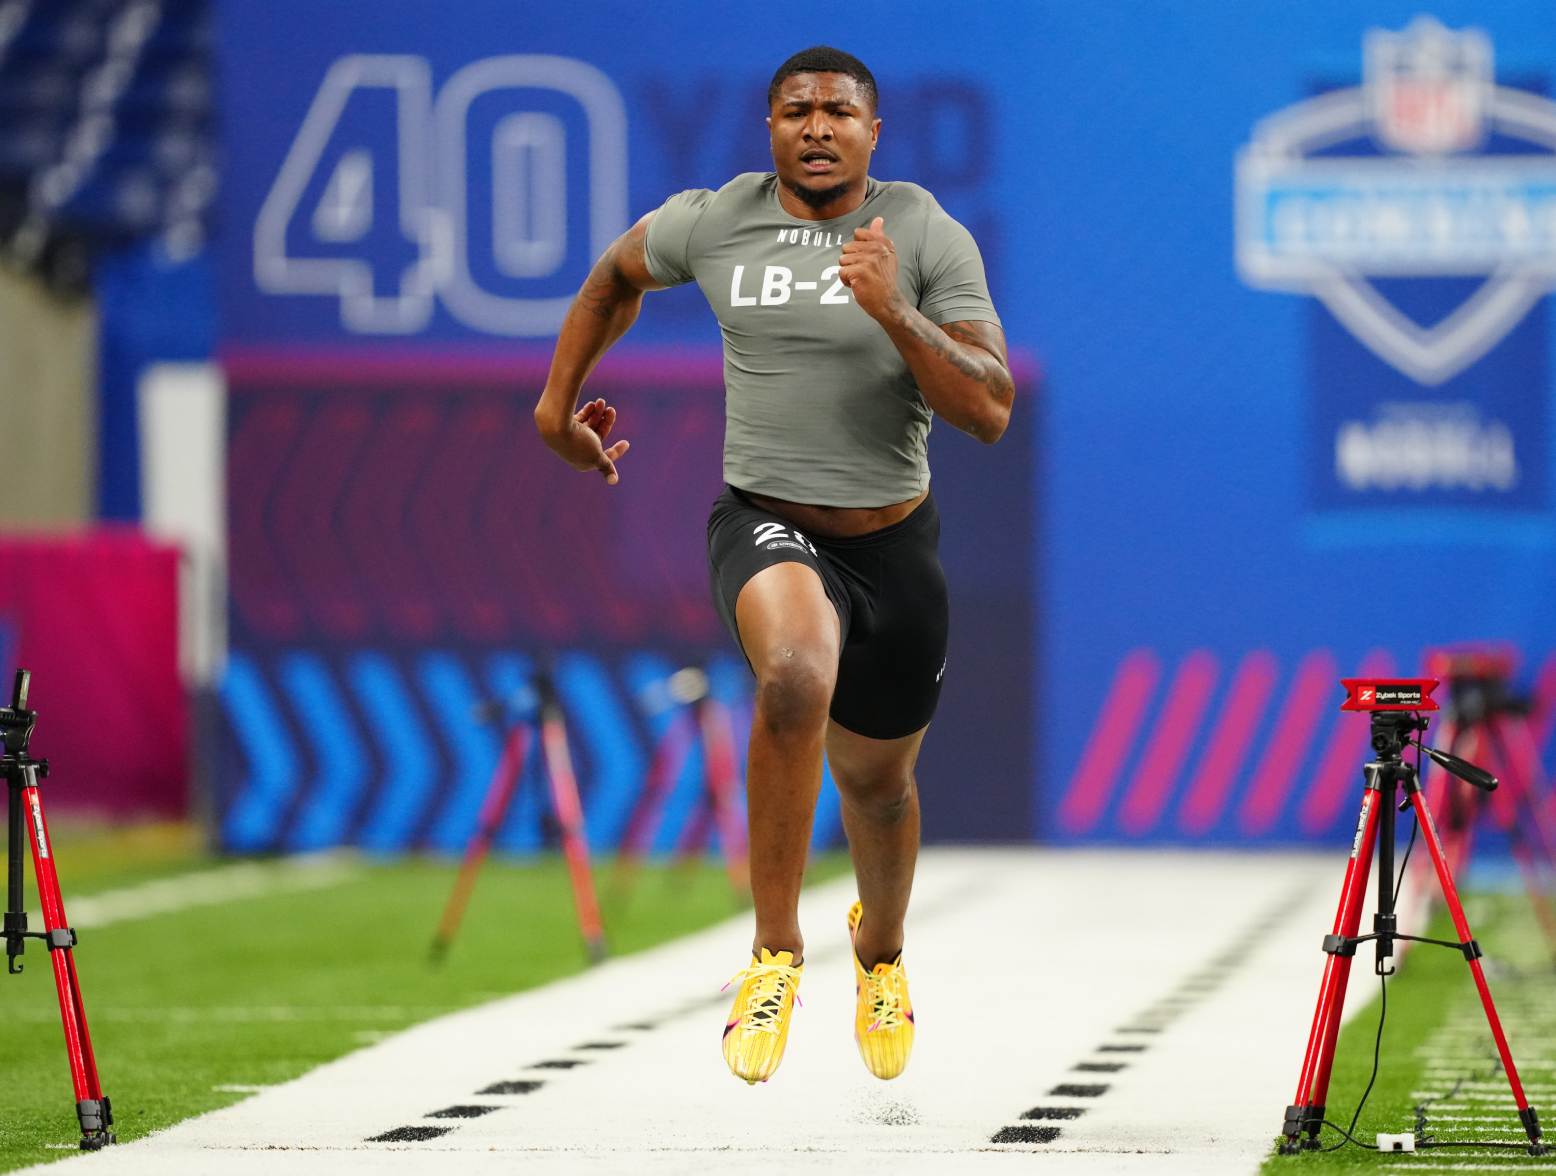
(961, 368)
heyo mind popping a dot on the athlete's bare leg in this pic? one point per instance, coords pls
(880, 814)
(789, 631)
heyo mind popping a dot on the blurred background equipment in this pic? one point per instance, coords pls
(699, 720)
(530, 718)
(1489, 722)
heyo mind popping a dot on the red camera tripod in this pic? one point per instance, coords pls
(1488, 722)
(698, 718)
(538, 714)
(1394, 705)
(22, 774)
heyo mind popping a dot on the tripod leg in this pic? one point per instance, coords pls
(15, 910)
(1524, 757)
(718, 761)
(696, 834)
(1521, 823)
(1458, 810)
(93, 1111)
(499, 795)
(1307, 1109)
(569, 814)
(663, 771)
(1526, 1113)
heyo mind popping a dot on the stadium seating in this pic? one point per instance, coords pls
(105, 119)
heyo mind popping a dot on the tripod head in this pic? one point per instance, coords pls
(16, 721)
(1392, 731)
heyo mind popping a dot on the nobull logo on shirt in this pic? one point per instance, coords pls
(1419, 208)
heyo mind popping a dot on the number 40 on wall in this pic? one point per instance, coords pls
(492, 197)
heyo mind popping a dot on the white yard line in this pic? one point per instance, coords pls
(241, 880)
(1025, 964)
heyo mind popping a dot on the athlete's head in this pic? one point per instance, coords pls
(821, 114)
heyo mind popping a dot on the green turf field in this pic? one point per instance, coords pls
(256, 990)
(1440, 1077)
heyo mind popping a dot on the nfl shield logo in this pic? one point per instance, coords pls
(1429, 87)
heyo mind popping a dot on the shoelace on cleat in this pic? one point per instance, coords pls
(885, 998)
(764, 1003)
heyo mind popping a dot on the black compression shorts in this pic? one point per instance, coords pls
(889, 591)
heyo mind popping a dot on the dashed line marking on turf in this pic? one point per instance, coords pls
(1080, 1089)
(1153, 1019)
(409, 1134)
(517, 1086)
(463, 1111)
(1022, 1133)
(521, 1086)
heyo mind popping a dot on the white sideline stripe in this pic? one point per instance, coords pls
(205, 888)
(1022, 966)
(241, 1014)
(242, 1087)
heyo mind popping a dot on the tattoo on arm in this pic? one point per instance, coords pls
(620, 275)
(981, 339)
(976, 350)
(972, 349)
(604, 288)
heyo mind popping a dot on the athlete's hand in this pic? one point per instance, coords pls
(868, 267)
(582, 443)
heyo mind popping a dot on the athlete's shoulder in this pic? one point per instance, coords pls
(908, 195)
(746, 188)
(733, 198)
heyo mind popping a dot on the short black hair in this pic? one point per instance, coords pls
(825, 59)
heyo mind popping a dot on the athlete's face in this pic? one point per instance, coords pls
(823, 130)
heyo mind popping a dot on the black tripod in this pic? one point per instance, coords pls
(22, 774)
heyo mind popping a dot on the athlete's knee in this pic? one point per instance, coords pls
(793, 690)
(885, 796)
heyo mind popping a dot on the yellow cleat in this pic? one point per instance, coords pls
(758, 1026)
(883, 1014)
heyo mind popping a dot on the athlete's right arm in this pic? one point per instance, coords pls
(605, 307)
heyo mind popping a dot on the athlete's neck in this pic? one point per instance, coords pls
(809, 204)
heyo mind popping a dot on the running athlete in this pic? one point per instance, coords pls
(851, 310)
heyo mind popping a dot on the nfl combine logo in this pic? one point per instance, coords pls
(1427, 170)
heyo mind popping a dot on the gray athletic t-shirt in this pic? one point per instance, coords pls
(819, 404)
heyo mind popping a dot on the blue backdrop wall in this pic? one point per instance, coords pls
(1281, 419)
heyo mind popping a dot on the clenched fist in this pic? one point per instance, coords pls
(868, 267)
